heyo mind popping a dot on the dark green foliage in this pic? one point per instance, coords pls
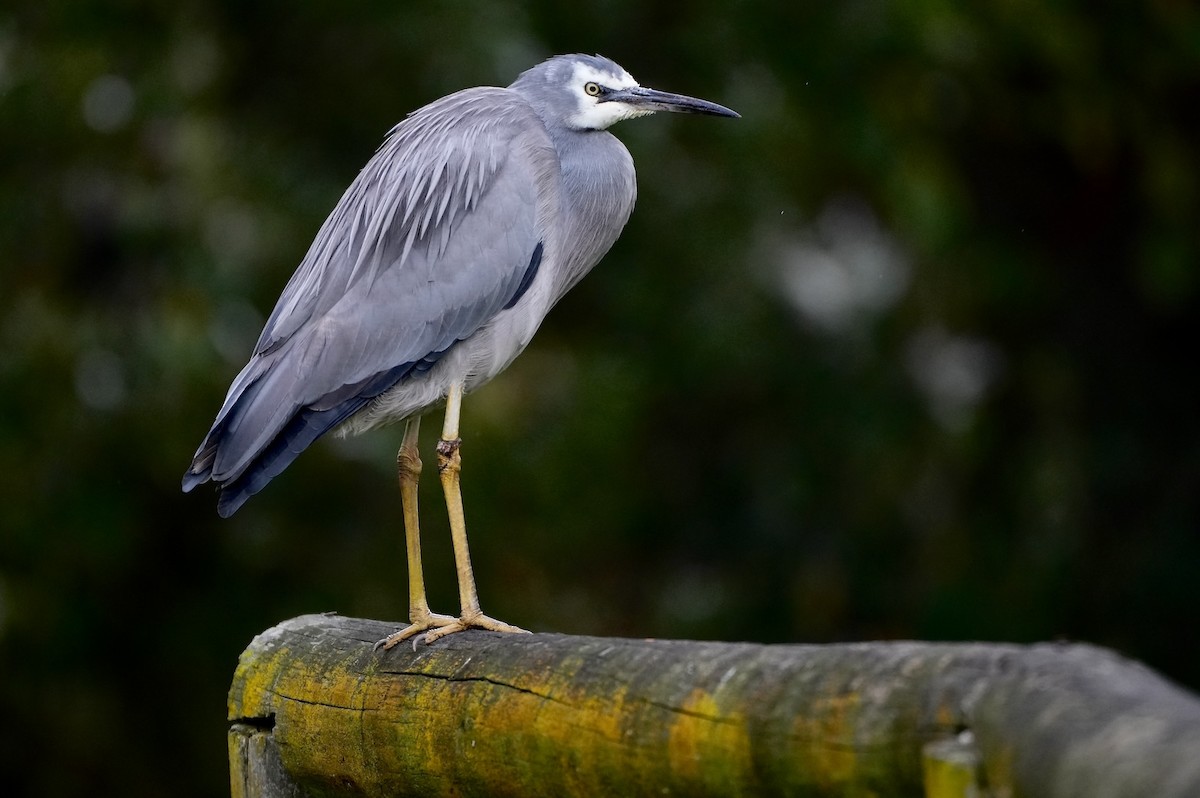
(988, 428)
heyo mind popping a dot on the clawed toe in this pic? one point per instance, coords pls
(479, 621)
(421, 624)
(436, 627)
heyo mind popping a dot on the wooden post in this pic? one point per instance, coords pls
(314, 710)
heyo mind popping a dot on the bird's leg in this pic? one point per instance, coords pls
(450, 469)
(408, 467)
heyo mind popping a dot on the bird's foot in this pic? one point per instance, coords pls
(436, 627)
(475, 620)
(421, 622)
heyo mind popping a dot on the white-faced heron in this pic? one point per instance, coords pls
(476, 215)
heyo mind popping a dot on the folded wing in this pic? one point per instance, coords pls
(440, 231)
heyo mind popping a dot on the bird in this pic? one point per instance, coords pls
(476, 214)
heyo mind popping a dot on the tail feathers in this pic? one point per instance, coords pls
(241, 395)
(305, 425)
(304, 428)
(200, 470)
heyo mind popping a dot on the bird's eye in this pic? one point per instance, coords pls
(593, 89)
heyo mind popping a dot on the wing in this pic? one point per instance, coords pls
(440, 231)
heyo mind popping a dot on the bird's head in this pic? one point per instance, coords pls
(591, 92)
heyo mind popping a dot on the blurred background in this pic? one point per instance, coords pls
(902, 353)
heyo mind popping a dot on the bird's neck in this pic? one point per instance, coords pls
(599, 188)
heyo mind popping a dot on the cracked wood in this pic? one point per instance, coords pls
(551, 715)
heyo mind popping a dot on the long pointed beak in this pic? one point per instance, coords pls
(653, 100)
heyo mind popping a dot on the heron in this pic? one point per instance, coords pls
(432, 273)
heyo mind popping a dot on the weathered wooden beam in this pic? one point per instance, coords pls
(316, 711)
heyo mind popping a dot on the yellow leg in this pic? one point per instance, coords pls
(450, 469)
(408, 467)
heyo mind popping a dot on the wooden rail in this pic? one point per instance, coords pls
(314, 710)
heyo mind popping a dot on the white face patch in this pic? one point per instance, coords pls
(596, 115)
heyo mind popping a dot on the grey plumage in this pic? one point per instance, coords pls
(474, 217)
